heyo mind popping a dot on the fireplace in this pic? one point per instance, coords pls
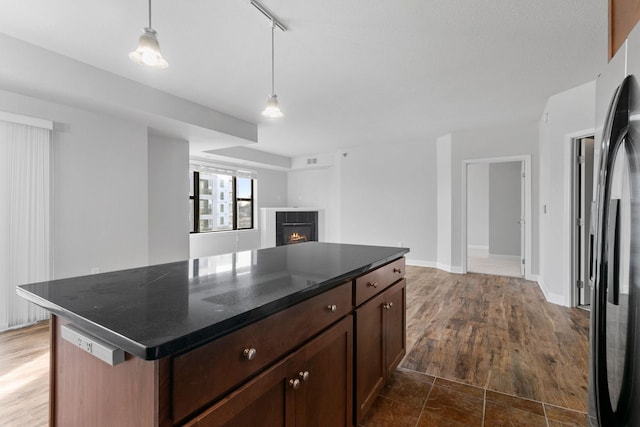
(296, 227)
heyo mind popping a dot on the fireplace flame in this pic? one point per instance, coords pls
(296, 238)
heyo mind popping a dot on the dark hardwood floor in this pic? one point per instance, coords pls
(482, 350)
(486, 350)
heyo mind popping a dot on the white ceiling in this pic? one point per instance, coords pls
(348, 72)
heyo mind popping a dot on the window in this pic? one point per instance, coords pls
(244, 202)
(210, 209)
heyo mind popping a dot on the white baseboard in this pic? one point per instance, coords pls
(550, 297)
(557, 299)
(479, 247)
(421, 263)
(449, 268)
(538, 279)
(432, 264)
(511, 257)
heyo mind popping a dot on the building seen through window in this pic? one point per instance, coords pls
(220, 200)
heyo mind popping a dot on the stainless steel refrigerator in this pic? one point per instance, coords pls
(614, 380)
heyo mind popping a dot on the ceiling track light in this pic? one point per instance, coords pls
(272, 110)
(148, 50)
(268, 14)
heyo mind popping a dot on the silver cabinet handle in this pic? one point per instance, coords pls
(249, 353)
(332, 308)
(387, 305)
(397, 270)
(372, 285)
(304, 376)
(294, 383)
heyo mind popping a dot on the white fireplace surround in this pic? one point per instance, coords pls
(268, 224)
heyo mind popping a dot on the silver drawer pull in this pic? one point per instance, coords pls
(249, 353)
(372, 285)
(304, 376)
(397, 270)
(294, 383)
(332, 308)
(387, 305)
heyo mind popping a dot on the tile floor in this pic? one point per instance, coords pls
(413, 399)
(479, 261)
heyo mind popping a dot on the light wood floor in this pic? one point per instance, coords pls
(493, 333)
(24, 376)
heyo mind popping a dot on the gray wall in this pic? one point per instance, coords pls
(478, 205)
(389, 197)
(504, 208)
(100, 214)
(168, 168)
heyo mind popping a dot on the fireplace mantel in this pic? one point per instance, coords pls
(268, 224)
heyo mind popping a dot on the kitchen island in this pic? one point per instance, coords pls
(275, 336)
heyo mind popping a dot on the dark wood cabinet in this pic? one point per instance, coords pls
(623, 16)
(327, 394)
(317, 363)
(394, 321)
(267, 400)
(311, 387)
(380, 343)
(205, 374)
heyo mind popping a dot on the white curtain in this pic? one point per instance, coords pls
(25, 254)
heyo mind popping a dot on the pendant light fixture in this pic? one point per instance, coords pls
(148, 51)
(272, 110)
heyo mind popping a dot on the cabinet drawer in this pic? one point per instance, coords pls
(204, 374)
(374, 282)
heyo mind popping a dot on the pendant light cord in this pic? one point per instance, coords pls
(150, 15)
(272, 59)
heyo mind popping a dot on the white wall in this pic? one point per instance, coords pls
(568, 114)
(443, 198)
(507, 141)
(271, 191)
(320, 188)
(388, 197)
(382, 195)
(504, 208)
(168, 170)
(100, 211)
(478, 205)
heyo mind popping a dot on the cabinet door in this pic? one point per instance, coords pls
(267, 401)
(327, 391)
(395, 321)
(370, 364)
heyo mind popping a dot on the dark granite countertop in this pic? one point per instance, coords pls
(161, 310)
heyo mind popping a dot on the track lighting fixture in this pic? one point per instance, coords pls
(148, 50)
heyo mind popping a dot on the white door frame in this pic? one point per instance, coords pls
(567, 238)
(527, 199)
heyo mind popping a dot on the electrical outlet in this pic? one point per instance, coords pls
(85, 344)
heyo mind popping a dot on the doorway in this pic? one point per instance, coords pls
(582, 197)
(496, 212)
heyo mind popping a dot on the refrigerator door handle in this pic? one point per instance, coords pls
(592, 242)
(613, 255)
